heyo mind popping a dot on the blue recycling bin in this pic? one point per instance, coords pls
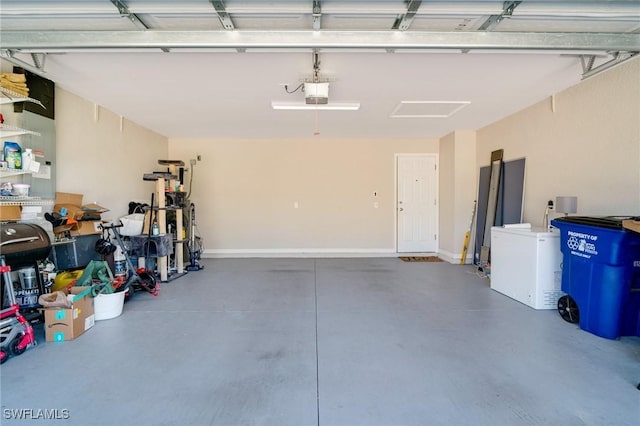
(601, 273)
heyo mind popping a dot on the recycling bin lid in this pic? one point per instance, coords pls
(611, 222)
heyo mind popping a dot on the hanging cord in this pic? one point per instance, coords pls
(190, 181)
(316, 74)
(186, 212)
(300, 86)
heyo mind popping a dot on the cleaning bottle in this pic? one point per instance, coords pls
(27, 156)
(155, 230)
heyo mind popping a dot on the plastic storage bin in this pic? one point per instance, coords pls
(75, 253)
(601, 272)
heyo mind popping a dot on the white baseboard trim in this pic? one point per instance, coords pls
(299, 252)
(453, 257)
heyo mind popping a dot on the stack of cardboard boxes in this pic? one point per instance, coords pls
(76, 238)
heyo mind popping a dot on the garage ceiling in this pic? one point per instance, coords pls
(417, 68)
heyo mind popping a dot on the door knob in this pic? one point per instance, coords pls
(401, 209)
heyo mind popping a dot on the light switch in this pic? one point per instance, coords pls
(295, 205)
(375, 205)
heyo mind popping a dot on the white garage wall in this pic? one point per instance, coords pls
(588, 147)
(457, 192)
(245, 190)
(97, 159)
(446, 193)
(245, 193)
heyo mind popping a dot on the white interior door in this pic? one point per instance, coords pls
(417, 209)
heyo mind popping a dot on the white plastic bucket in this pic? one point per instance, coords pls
(107, 306)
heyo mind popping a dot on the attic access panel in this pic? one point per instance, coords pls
(427, 109)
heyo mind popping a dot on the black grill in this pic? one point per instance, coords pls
(23, 244)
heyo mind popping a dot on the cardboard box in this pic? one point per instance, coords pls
(75, 208)
(73, 211)
(68, 198)
(71, 202)
(10, 213)
(67, 324)
(87, 227)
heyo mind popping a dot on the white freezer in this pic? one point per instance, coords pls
(526, 265)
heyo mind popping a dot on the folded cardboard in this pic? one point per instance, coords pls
(62, 324)
(74, 207)
(95, 208)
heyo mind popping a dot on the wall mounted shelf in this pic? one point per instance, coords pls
(9, 97)
(12, 172)
(8, 131)
(10, 200)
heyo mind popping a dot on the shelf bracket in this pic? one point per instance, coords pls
(126, 13)
(618, 58)
(223, 15)
(9, 55)
(38, 60)
(493, 20)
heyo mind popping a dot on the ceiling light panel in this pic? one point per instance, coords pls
(334, 106)
(427, 109)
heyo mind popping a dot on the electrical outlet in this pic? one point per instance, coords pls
(192, 162)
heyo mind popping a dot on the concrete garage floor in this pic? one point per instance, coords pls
(372, 341)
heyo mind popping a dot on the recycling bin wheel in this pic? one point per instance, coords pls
(568, 309)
